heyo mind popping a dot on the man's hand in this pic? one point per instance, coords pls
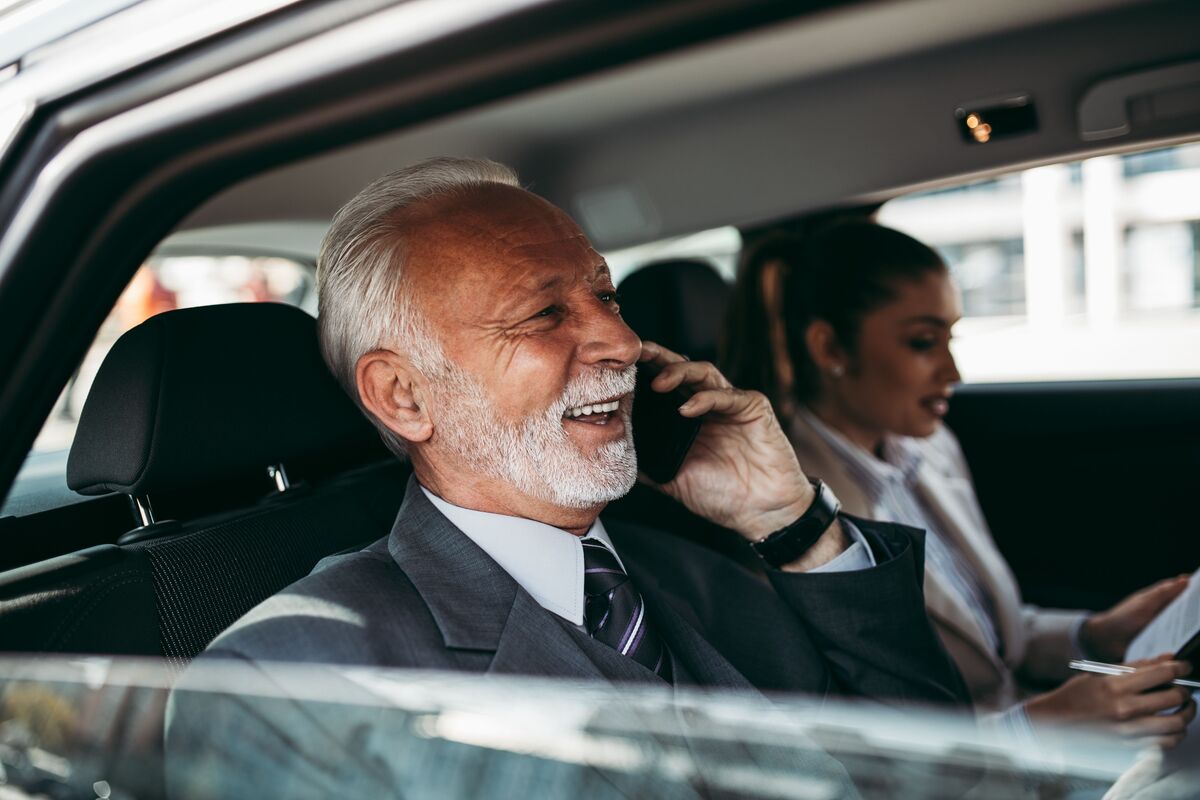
(1106, 635)
(741, 471)
(1129, 705)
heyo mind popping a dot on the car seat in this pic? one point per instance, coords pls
(228, 409)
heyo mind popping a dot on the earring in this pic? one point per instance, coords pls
(837, 370)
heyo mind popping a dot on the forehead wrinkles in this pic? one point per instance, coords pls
(525, 237)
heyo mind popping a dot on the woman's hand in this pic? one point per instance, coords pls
(1128, 705)
(1106, 635)
(741, 471)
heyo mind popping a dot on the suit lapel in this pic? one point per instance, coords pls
(534, 643)
(478, 606)
(700, 659)
(970, 536)
(818, 460)
(474, 602)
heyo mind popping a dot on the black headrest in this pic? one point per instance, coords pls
(205, 395)
(679, 304)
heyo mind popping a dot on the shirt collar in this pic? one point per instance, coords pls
(547, 562)
(900, 459)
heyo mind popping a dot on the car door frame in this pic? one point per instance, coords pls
(94, 181)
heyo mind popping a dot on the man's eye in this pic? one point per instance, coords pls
(609, 297)
(548, 311)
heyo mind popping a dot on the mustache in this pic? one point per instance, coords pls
(593, 387)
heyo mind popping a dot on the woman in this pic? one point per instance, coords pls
(847, 332)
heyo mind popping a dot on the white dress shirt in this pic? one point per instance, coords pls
(547, 562)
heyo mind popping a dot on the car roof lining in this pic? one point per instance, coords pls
(844, 106)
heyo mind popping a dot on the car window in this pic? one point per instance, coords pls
(1079, 271)
(161, 284)
(719, 246)
(76, 726)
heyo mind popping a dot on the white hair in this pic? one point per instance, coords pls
(362, 302)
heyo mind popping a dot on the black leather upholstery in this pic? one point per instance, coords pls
(211, 394)
(679, 304)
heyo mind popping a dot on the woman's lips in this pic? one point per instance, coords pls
(937, 406)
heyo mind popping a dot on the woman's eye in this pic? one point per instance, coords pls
(921, 345)
(609, 297)
(546, 312)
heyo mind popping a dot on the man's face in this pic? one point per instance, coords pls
(541, 384)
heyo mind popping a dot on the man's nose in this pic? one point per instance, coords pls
(606, 341)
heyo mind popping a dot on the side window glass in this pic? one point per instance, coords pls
(720, 247)
(159, 285)
(1081, 271)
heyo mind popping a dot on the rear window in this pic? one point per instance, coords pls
(176, 282)
(161, 284)
(1080, 271)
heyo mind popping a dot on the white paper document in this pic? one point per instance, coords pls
(1171, 629)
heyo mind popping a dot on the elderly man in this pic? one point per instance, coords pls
(480, 332)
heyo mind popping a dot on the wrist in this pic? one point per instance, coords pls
(775, 519)
(1094, 643)
(789, 544)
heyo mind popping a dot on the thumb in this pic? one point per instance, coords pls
(1164, 592)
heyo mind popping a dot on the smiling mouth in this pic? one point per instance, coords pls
(937, 406)
(594, 413)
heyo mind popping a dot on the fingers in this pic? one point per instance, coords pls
(727, 402)
(655, 353)
(1166, 725)
(1156, 596)
(1157, 673)
(1167, 742)
(1141, 705)
(693, 374)
(1163, 592)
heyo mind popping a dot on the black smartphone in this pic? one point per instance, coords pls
(1190, 652)
(661, 435)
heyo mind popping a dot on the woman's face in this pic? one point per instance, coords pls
(900, 376)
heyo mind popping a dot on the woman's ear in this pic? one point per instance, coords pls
(823, 348)
(391, 390)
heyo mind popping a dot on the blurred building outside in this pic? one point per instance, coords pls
(1081, 271)
(1084, 271)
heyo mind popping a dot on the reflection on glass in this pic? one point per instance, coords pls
(90, 728)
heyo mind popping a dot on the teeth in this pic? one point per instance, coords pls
(595, 408)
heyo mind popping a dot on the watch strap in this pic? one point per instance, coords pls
(787, 544)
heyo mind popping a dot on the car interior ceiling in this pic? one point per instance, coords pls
(81, 580)
(700, 139)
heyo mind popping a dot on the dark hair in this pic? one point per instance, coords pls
(838, 273)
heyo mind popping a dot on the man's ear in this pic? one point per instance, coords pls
(823, 347)
(391, 390)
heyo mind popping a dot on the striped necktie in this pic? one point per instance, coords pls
(615, 614)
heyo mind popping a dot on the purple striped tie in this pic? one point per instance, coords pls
(614, 612)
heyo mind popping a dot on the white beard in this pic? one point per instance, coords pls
(536, 455)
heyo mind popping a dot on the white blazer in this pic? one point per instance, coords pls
(1037, 641)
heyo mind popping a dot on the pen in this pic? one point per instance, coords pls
(1120, 669)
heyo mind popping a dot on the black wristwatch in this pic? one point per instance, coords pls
(787, 544)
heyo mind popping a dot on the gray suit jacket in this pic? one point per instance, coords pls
(427, 597)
